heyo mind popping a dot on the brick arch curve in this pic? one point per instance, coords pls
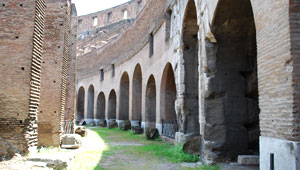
(137, 93)
(150, 102)
(233, 87)
(124, 97)
(112, 104)
(100, 106)
(90, 103)
(80, 104)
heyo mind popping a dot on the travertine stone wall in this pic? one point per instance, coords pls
(21, 30)
(247, 53)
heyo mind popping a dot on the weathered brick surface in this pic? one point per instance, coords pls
(21, 34)
(51, 83)
(71, 92)
(294, 19)
(275, 66)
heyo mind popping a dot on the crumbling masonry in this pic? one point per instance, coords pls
(38, 65)
(226, 70)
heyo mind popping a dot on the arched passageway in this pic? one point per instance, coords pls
(167, 102)
(124, 98)
(90, 105)
(101, 106)
(137, 94)
(150, 108)
(112, 102)
(232, 105)
(190, 119)
(80, 104)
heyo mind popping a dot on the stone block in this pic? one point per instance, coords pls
(192, 146)
(248, 159)
(125, 125)
(137, 129)
(102, 123)
(112, 124)
(151, 133)
(80, 130)
(71, 141)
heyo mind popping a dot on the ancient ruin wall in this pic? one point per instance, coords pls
(54, 71)
(109, 16)
(127, 45)
(22, 29)
(71, 81)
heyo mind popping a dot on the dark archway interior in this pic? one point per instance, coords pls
(112, 101)
(90, 109)
(100, 106)
(235, 96)
(124, 98)
(191, 77)
(151, 100)
(80, 104)
(167, 102)
(137, 94)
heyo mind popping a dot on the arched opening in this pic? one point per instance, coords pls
(112, 101)
(232, 105)
(124, 98)
(150, 109)
(167, 102)
(101, 106)
(80, 104)
(137, 94)
(90, 109)
(190, 117)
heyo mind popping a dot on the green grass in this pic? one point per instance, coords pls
(155, 148)
(96, 150)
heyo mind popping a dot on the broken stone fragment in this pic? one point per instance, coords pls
(137, 130)
(71, 141)
(80, 130)
(151, 133)
(102, 123)
(192, 146)
(125, 125)
(112, 124)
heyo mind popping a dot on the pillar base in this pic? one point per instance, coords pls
(286, 153)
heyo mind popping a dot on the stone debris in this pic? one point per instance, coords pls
(248, 159)
(152, 133)
(71, 141)
(125, 125)
(192, 146)
(137, 130)
(81, 130)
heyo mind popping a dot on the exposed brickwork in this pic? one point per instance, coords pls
(20, 72)
(294, 18)
(52, 69)
(71, 92)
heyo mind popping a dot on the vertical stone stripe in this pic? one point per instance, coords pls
(31, 132)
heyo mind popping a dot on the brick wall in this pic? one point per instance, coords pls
(21, 34)
(274, 68)
(294, 18)
(71, 81)
(53, 81)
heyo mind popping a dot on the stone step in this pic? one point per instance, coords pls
(248, 159)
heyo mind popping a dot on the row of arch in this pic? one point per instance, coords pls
(229, 106)
(168, 97)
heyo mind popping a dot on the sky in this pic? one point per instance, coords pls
(89, 6)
